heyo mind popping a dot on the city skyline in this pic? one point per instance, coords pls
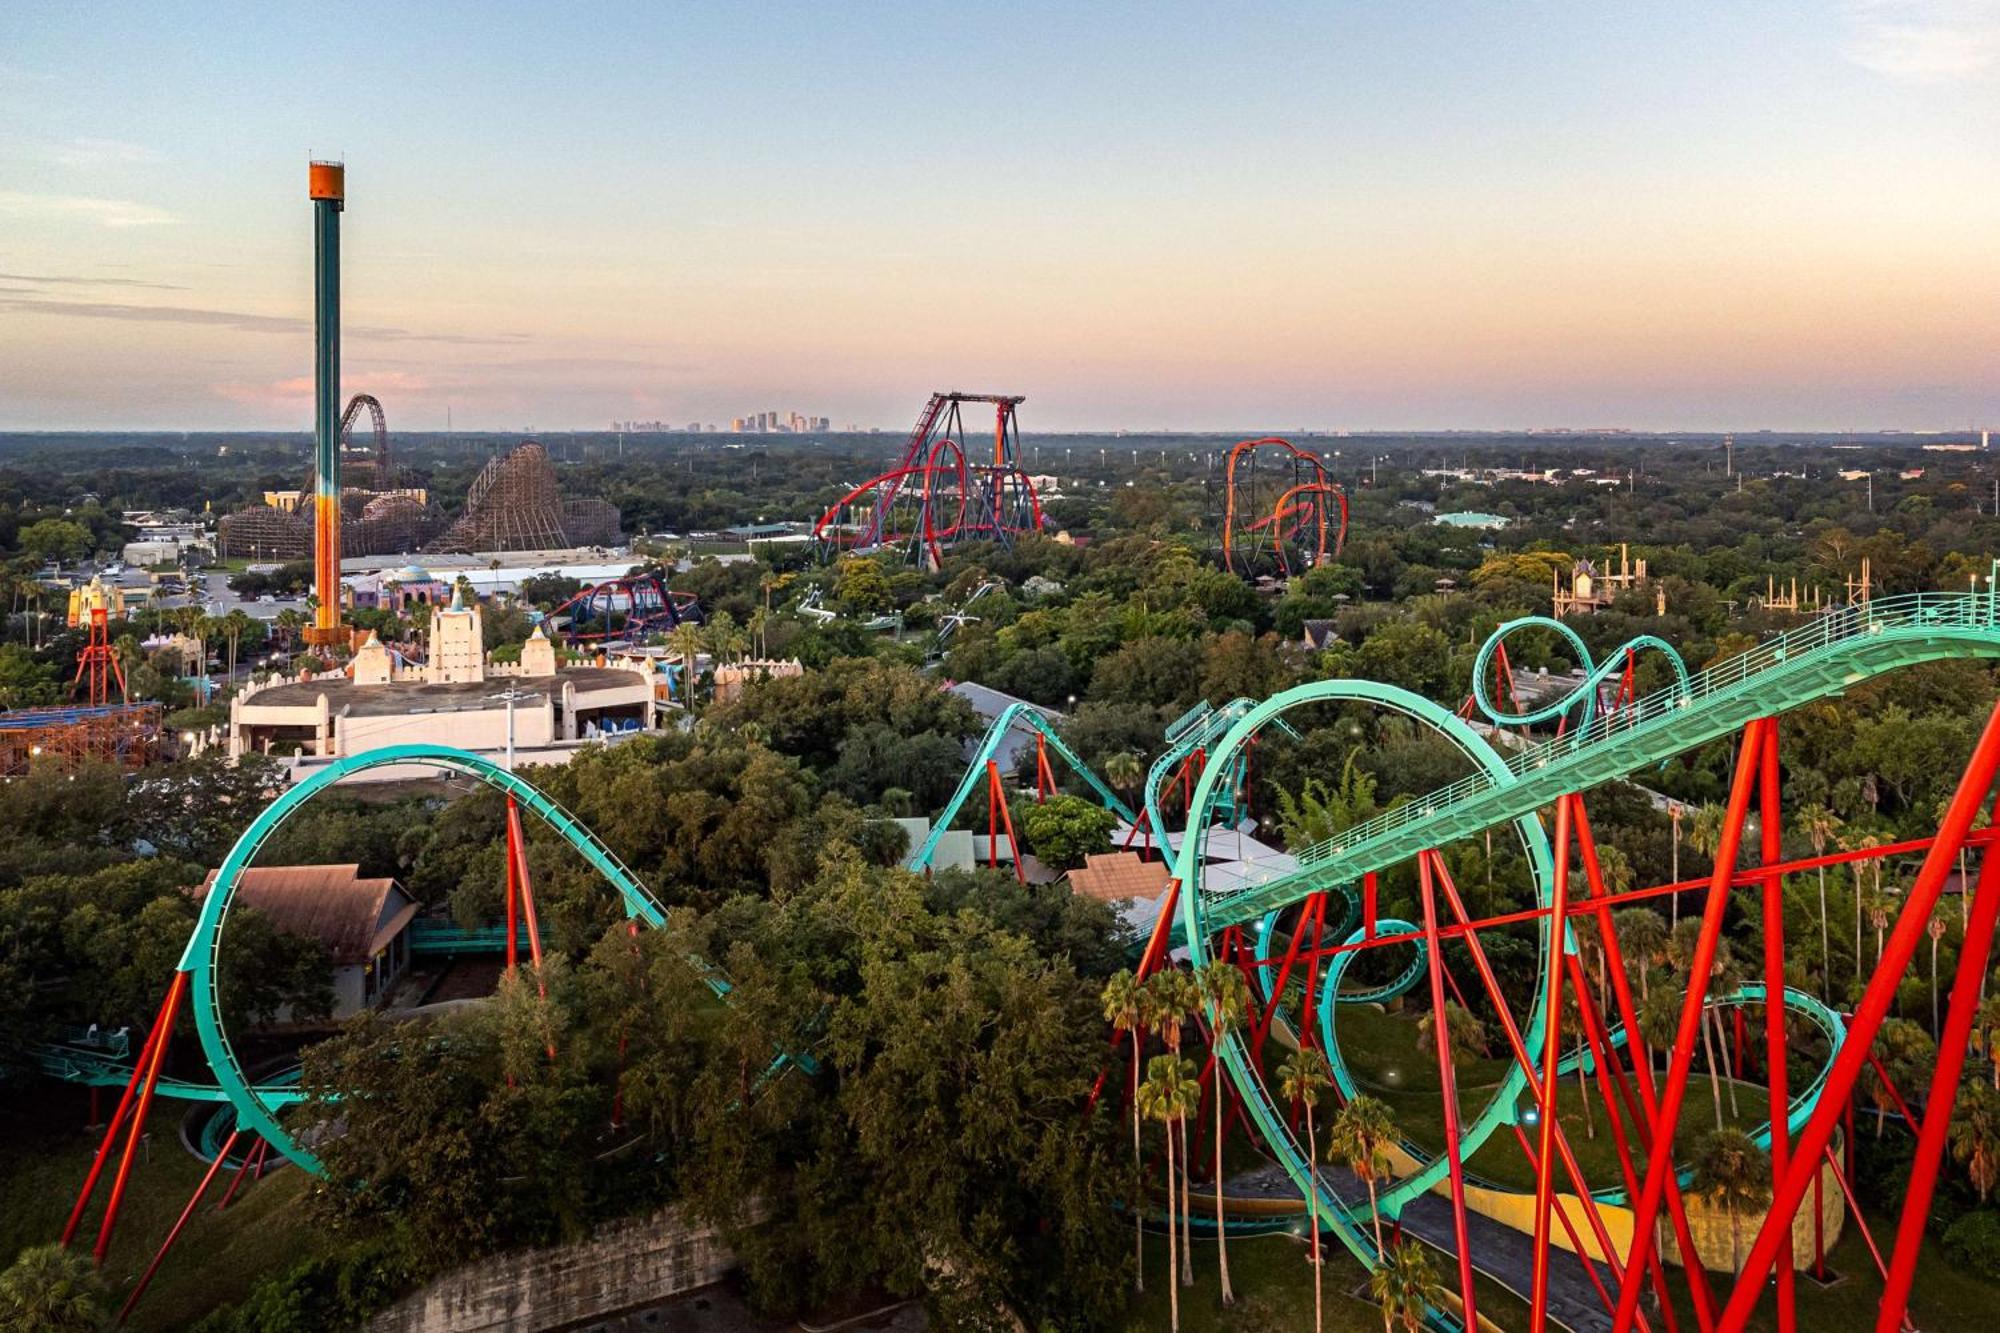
(1434, 217)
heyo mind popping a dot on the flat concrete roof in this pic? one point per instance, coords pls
(404, 697)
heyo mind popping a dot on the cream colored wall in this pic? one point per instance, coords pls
(1709, 1226)
(485, 729)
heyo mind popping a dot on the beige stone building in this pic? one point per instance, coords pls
(540, 710)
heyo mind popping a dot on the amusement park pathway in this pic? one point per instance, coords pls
(1499, 1251)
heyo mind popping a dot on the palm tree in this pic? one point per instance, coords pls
(1975, 1136)
(234, 626)
(1572, 1023)
(1169, 1095)
(1301, 1079)
(1986, 1034)
(1125, 771)
(686, 642)
(1643, 937)
(760, 630)
(1228, 997)
(1935, 928)
(1856, 841)
(1725, 979)
(1674, 812)
(51, 1290)
(1964, 880)
(1406, 1285)
(1707, 832)
(1906, 1053)
(1465, 1032)
(1820, 825)
(724, 640)
(1173, 996)
(1880, 908)
(1125, 1010)
(1731, 1170)
(1361, 1135)
(1660, 1016)
(1682, 947)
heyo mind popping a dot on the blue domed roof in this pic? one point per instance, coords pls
(413, 574)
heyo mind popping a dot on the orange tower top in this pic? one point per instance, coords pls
(327, 180)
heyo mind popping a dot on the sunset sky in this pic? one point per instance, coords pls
(1501, 213)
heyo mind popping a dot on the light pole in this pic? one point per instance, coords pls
(508, 697)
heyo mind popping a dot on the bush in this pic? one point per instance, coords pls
(1974, 1241)
(334, 1291)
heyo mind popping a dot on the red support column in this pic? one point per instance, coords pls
(139, 1064)
(242, 1170)
(1646, 1113)
(1519, 1049)
(1645, 1116)
(1901, 947)
(1163, 927)
(1316, 904)
(513, 890)
(1007, 820)
(1306, 1011)
(992, 815)
(146, 1278)
(1771, 850)
(1548, 1083)
(1660, 1164)
(1952, 1043)
(1369, 888)
(1441, 1036)
(138, 1127)
(1848, 1136)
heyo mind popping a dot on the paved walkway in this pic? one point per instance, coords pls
(1498, 1251)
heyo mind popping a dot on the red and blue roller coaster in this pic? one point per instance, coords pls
(934, 498)
(623, 609)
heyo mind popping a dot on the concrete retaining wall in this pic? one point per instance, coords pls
(625, 1264)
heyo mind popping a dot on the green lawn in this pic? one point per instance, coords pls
(1273, 1280)
(44, 1155)
(1381, 1049)
(1272, 1277)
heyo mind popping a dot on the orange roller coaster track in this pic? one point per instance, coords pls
(1299, 518)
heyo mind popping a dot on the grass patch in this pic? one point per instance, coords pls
(1381, 1050)
(45, 1153)
(1273, 1280)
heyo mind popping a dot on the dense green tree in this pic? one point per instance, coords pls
(1062, 830)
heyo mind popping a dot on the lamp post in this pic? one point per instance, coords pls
(508, 697)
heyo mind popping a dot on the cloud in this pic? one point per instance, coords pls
(51, 279)
(77, 208)
(241, 321)
(90, 154)
(1924, 41)
(296, 388)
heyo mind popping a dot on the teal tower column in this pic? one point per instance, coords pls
(328, 188)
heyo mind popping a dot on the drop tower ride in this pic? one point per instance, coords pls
(327, 186)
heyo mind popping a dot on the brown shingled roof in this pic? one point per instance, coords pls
(352, 916)
(1118, 876)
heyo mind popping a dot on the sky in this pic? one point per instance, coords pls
(1339, 215)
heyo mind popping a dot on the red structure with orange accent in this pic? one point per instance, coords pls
(935, 496)
(1279, 512)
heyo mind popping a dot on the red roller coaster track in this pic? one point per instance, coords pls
(930, 501)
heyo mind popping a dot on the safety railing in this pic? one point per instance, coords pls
(1795, 649)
